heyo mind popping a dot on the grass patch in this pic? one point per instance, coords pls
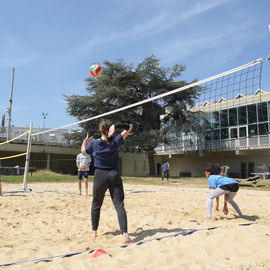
(44, 176)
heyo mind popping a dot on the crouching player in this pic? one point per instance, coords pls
(222, 185)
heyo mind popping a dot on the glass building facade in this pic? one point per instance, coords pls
(244, 121)
(231, 124)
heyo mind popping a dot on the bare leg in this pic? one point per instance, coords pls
(1, 194)
(86, 186)
(225, 208)
(80, 186)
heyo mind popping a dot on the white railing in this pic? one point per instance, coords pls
(260, 141)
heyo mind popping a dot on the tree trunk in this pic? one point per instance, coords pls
(151, 162)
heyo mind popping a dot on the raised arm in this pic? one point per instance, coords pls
(84, 143)
(126, 132)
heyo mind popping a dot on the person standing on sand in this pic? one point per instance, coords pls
(165, 171)
(83, 162)
(106, 158)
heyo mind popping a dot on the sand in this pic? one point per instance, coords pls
(53, 220)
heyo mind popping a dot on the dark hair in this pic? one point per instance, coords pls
(104, 127)
(213, 169)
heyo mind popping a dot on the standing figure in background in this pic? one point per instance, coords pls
(165, 170)
(83, 162)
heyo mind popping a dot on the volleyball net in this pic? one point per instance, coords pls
(26, 137)
(216, 94)
(25, 134)
(222, 101)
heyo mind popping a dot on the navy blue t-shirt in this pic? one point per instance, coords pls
(105, 155)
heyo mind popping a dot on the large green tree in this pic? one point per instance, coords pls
(123, 84)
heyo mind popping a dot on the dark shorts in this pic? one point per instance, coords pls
(231, 187)
(83, 174)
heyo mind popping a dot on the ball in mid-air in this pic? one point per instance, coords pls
(96, 71)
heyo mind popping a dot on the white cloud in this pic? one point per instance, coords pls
(163, 20)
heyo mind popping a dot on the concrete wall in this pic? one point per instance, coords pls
(134, 164)
(196, 164)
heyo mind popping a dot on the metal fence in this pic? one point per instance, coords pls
(57, 137)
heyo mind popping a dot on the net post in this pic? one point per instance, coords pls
(27, 159)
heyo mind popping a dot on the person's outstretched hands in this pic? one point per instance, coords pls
(88, 139)
(225, 209)
(111, 130)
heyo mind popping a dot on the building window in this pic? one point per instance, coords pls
(252, 113)
(263, 128)
(242, 132)
(252, 130)
(242, 115)
(215, 119)
(262, 112)
(233, 133)
(224, 133)
(243, 170)
(207, 136)
(269, 110)
(224, 118)
(215, 134)
(233, 117)
(250, 168)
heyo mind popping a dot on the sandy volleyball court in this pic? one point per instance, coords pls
(53, 220)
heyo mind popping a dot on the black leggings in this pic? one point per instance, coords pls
(104, 179)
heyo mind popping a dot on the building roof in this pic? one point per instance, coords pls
(240, 99)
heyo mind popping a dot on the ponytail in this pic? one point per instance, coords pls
(104, 127)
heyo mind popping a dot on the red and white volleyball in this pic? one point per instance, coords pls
(96, 71)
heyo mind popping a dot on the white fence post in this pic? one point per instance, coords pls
(27, 160)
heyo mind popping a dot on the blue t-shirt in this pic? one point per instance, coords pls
(216, 181)
(165, 166)
(105, 155)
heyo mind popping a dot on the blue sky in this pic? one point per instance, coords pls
(52, 44)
